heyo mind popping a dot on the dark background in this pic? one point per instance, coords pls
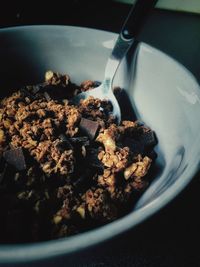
(171, 237)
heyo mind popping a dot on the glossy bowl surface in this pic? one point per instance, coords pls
(162, 92)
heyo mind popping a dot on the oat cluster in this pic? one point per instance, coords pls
(80, 169)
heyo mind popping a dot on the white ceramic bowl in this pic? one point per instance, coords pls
(163, 93)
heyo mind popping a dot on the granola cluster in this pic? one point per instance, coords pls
(66, 168)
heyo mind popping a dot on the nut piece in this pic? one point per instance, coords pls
(15, 157)
(48, 75)
(57, 219)
(138, 169)
(148, 138)
(81, 211)
(108, 138)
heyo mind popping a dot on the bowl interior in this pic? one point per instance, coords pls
(162, 93)
(166, 97)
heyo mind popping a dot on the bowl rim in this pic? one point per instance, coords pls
(18, 253)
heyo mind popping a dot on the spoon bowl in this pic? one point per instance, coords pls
(103, 92)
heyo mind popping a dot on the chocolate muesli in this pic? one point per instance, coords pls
(64, 168)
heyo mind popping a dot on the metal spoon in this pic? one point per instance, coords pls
(125, 39)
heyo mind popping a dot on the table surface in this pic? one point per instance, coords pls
(170, 238)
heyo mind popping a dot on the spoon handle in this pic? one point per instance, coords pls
(129, 31)
(136, 18)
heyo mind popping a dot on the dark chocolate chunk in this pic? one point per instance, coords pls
(63, 137)
(65, 142)
(89, 127)
(152, 154)
(83, 140)
(92, 159)
(16, 158)
(148, 138)
(35, 89)
(56, 92)
(26, 92)
(47, 96)
(135, 146)
(38, 87)
(96, 83)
